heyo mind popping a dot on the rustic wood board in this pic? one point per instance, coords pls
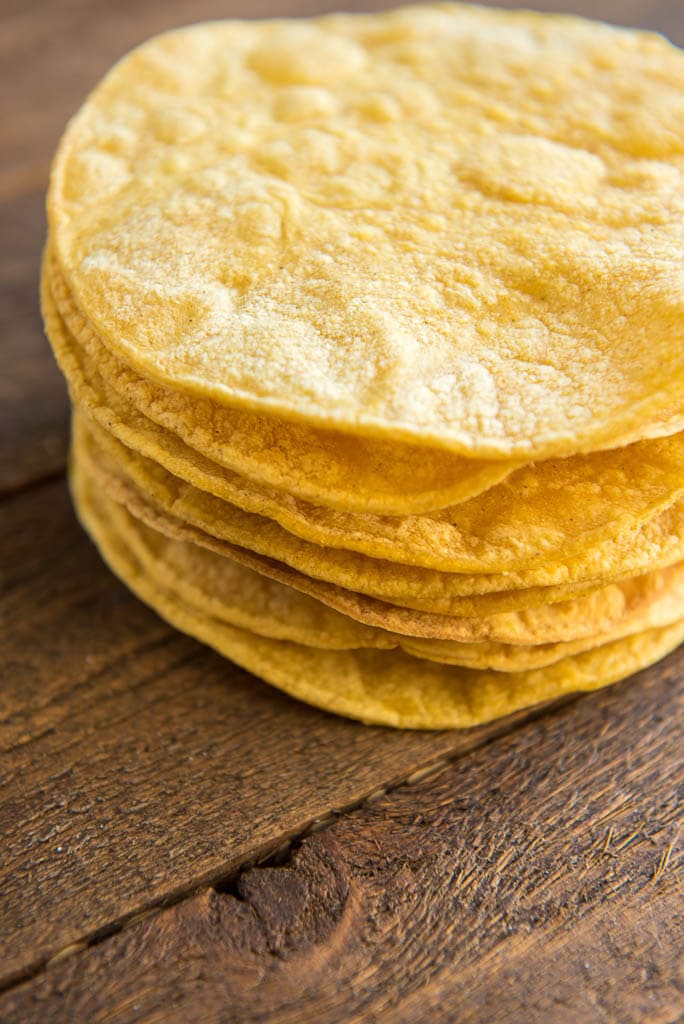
(534, 880)
(33, 401)
(139, 770)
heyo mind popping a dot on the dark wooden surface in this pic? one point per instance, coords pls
(533, 879)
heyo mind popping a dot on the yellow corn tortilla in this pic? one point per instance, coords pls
(454, 226)
(384, 687)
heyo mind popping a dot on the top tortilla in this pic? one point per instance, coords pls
(453, 226)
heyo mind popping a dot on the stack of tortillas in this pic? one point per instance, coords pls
(373, 331)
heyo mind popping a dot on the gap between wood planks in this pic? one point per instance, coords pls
(278, 853)
(25, 486)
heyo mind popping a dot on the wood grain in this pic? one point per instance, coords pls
(136, 765)
(532, 881)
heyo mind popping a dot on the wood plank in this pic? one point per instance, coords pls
(34, 413)
(135, 764)
(531, 882)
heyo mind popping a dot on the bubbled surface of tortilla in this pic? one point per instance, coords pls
(449, 225)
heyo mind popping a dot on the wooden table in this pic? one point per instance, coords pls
(182, 843)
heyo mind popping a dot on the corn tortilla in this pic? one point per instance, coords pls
(378, 224)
